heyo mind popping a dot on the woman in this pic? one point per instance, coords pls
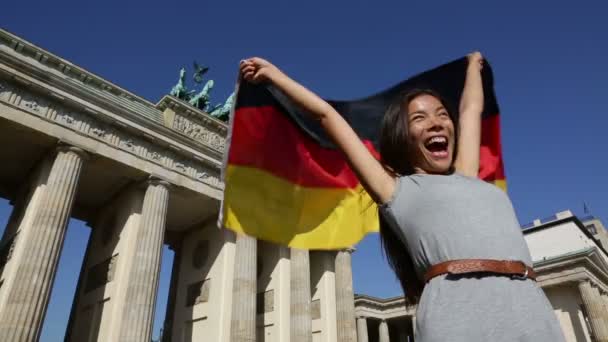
(457, 233)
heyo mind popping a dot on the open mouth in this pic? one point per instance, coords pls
(438, 146)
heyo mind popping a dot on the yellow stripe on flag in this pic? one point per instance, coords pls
(501, 183)
(262, 205)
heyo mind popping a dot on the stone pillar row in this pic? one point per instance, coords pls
(596, 310)
(243, 322)
(27, 299)
(28, 296)
(362, 335)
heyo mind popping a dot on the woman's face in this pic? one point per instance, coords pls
(431, 135)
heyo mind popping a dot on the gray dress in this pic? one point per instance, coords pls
(441, 218)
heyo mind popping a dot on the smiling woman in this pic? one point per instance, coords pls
(444, 230)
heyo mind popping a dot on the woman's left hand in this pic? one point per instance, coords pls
(475, 59)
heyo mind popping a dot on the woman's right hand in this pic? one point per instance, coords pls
(475, 59)
(375, 179)
(257, 70)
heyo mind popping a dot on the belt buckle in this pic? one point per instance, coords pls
(521, 277)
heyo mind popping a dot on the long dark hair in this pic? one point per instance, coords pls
(395, 148)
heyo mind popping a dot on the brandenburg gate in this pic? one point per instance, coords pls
(141, 175)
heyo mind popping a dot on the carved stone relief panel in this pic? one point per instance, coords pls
(101, 274)
(199, 132)
(5, 91)
(315, 309)
(265, 302)
(35, 104)
(198, 292)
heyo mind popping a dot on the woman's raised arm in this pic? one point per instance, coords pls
(471, 107)
(375, 179)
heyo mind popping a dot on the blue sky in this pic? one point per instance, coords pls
(548, 59)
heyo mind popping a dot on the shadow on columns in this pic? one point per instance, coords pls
(399, 328)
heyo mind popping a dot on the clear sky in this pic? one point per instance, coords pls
(548, 56)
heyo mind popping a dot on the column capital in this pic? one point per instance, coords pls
(154, 180)
(349, 250)
(63, 147)
(587, 281)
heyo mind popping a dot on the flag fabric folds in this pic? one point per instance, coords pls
(285, 182)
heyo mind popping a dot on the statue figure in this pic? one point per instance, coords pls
(199, 71)
(179, 90)
(201, 100)
(221, 111)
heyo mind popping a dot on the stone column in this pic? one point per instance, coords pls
(604, 296)
(22, 317)
(362, 330)
(414, 326)
(242, 325)
(595, 309)
(383, 332)
(345, 299)
(301, 321)
(138, 309)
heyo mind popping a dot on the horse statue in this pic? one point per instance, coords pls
(179, 90)
(201, 100)
(221, 111)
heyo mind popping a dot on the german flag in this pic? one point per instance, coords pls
(287, 183)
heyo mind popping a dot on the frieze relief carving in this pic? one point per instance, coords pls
(34, 104)
(199, 132)
(105, 132)
(5, 92)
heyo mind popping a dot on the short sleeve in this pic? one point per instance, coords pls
(388, 212)
(407, 188)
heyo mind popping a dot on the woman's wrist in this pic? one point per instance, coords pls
(474, 66)
(273, 74)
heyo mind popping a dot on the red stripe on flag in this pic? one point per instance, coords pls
(491, 166)
(265, 138)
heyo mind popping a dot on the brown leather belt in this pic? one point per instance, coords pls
(515, 269)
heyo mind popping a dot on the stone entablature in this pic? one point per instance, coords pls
(93, 125)
(573, 268)
(59, 67)
(186, 124)
(383, 309)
